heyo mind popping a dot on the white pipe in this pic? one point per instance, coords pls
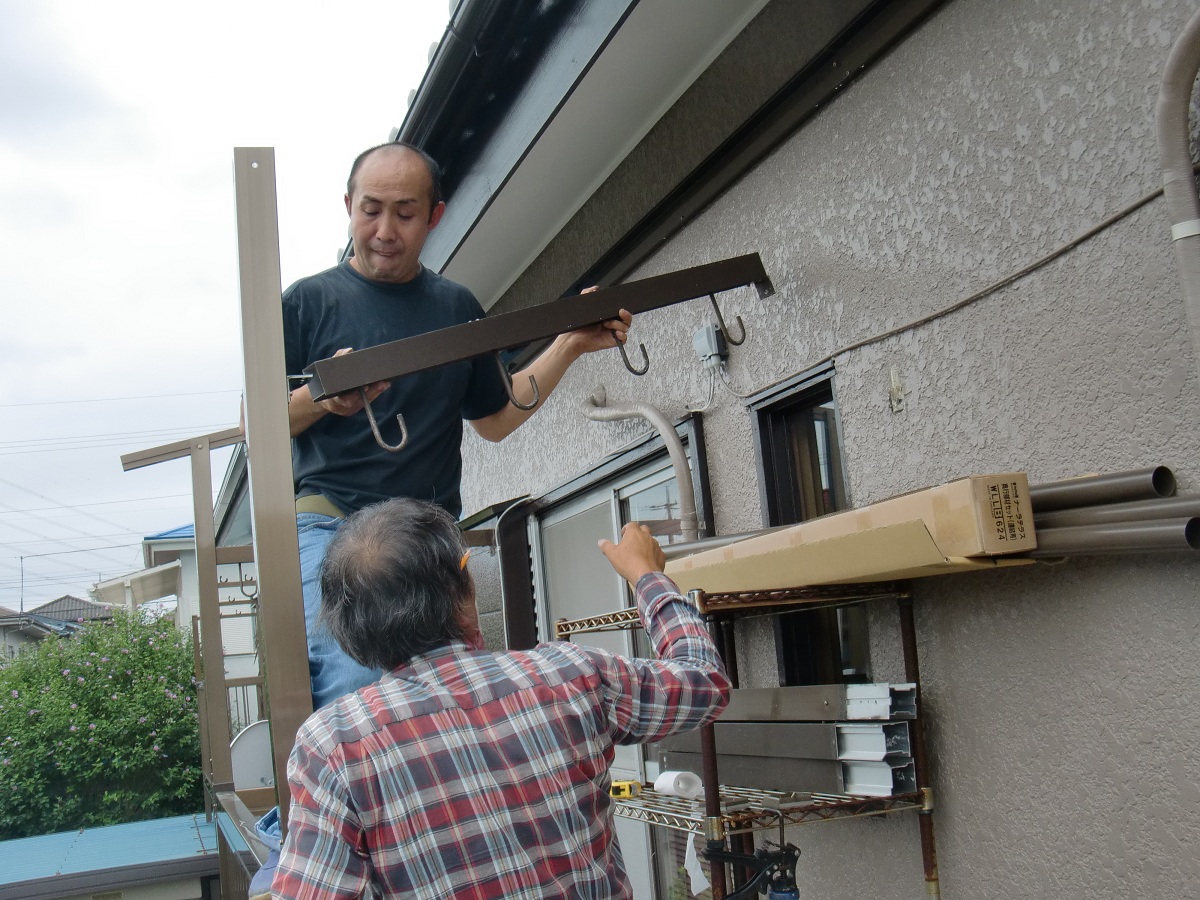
(598, 409)
(1175, 154)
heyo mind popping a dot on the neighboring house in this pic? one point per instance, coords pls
(889, 161)
(19, 631)
(73, 609)
(169, 584)
(159, 859)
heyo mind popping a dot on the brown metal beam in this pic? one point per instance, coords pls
(516, 329)
(240, 553)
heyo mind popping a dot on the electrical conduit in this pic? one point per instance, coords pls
(598, 409)
(1175, 154)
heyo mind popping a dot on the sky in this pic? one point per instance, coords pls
(118, 251)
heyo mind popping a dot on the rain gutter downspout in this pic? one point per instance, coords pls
(1175, 154)
(598, 409)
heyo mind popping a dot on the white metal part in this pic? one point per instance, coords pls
(881, 701)
(873, 741)
(879, 779)
(1181, 230)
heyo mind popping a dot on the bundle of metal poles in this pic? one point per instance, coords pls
(1124, 512)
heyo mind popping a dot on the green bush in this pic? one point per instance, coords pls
(99, 729)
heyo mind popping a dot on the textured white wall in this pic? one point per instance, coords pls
(1062, 699)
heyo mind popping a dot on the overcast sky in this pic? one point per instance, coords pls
(118, 264)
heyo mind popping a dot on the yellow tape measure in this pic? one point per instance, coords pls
(624, 790)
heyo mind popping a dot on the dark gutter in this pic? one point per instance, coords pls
(117, 879)
(466, 27)
(489, 51)
(880, 27)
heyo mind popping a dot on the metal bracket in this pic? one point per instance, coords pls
(629, 365)
(508, 386)
(729, 339)
(392, 448)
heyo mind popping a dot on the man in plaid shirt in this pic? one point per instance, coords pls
(466, 773)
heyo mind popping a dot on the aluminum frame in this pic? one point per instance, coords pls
(268, 456)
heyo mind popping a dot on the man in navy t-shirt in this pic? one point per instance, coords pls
(381, 294)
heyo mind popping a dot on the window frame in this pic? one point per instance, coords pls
(811, 646)
(519, 558)
(767, 408)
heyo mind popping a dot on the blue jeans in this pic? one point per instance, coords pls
(333, 673)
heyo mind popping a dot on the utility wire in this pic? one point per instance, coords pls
(994, 286)
(120, 399)
(99, 503)
(100, 441)
(131, 532)
(76, 436)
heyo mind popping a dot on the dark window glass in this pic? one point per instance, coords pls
(802, 479)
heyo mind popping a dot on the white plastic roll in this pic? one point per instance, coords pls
(679, 784)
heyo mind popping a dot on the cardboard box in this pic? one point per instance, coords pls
(954, 527)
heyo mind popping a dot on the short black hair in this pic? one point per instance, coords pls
(435, 171)
(392, 582)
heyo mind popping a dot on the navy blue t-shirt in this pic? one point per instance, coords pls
(338, 455)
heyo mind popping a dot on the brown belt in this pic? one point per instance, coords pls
(318, 503)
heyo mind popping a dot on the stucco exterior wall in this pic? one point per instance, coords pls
(1061, 699)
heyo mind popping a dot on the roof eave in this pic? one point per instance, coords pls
(600, 84)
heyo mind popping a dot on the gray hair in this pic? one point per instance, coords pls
(392, 582)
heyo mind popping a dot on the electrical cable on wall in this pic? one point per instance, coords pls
(973, 298)
(995, 286)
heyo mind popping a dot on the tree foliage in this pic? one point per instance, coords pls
(99, 729)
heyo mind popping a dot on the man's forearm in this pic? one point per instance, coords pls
(547, 370)
(673, 625)
(303, 413)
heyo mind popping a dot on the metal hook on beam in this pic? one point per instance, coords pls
(242, 580)
(393, 448)
(508, 386)
(729, 339)
(625, 357)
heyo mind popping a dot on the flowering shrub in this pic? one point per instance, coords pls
(98, 729)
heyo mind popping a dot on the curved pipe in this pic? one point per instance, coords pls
(1175, 155)
(598, 409)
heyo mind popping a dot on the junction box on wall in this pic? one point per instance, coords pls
(710, 346)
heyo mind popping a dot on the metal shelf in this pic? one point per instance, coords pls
(621, 620)
(746, 810)
(807, 597)
(739, 811)
(774, 602)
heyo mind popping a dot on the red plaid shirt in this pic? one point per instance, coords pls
(472, 774)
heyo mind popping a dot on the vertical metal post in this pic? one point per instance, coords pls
(912, 672)
(712, 783)
(740, 843)
(202, 709)
(268, 450)
(212, 652)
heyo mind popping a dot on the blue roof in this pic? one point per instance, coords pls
(183, 531)
(108, 857)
